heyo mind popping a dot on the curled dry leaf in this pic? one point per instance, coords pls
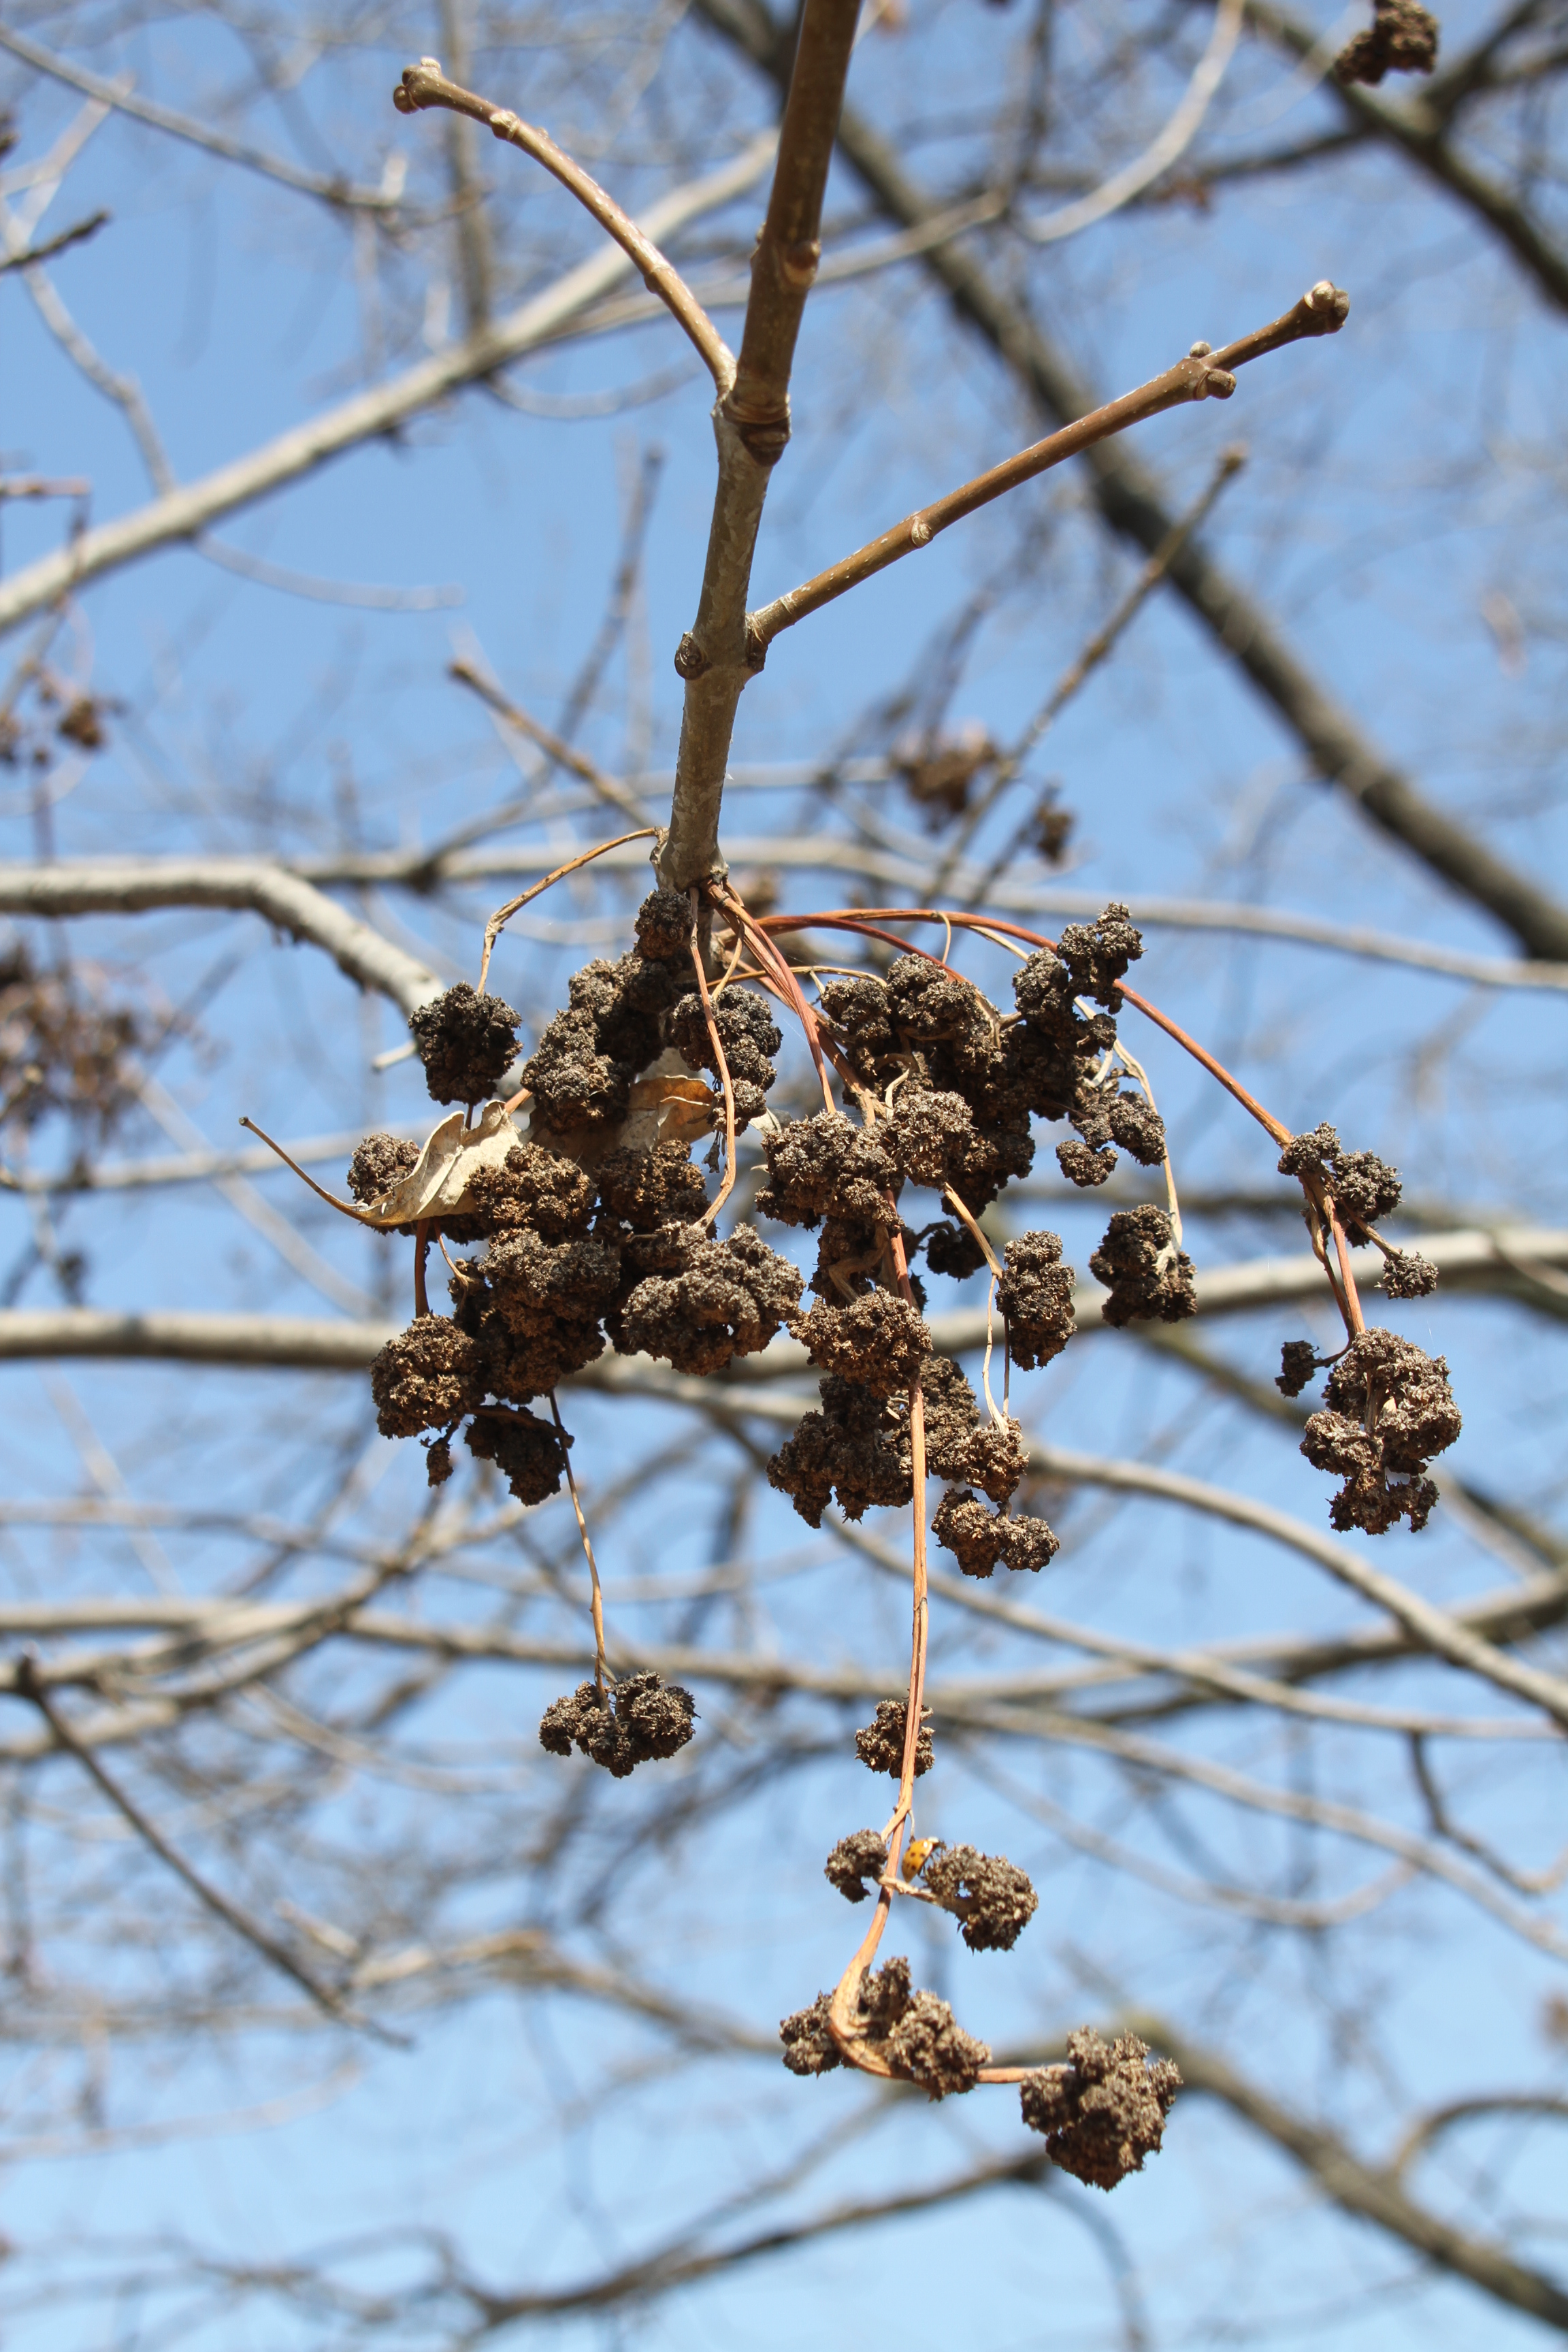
(437, 1183)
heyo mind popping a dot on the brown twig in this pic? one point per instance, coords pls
(504, 915)
(842, 2020)
(609, 788)
(45, 252)
(1202, 375)
(30, 1685)
(794, 995)
(1098, 651)
(424, 85)
(596, 1602)
(750, 425)
(727, 1186)
(1354, 1319)
(421, 1251)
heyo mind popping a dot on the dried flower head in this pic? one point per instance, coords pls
(466, 1043)
(664, 926)
(1101, 2117)
(979, 1538)
(879, 1342)
(641, 1718)
(1364, 1187)
(990, 1898)
(1097, 954)
(953, 1250)
(1035, 1294)
(1387, 1408)
(855, 1859)
(1407, 1275)
(426, 1378)
(860, 1015)
(1084, 1166)
(808, 2045)
(62, 1051)
(856, 1449)
(377, 1165)
(880, 1743)
(550, 1195)
(824, 1167)
(727, 1300)
(526, 1450)
(930, 2047)
(1150, 1279)
(747, 1031)
(1401, 38)
(1298, 1365)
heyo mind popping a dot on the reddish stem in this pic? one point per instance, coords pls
(1355, 1321)
(767, 952)
(1266, 1118)
(841, 2016)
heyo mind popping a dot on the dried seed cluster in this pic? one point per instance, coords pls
(880, 1743)
(1149, 1276)
(597, 1230)
(1300, 1364)
(529, 1453)
(992, 1900)
(1035, 1294)
(979, 1539)
(639, 1719)
(1103, 2116)
(1388, 1409)
(854, 1450)
(1401, 38)
(855, 1859)
(63, 1053)
(573, 1252)
(466, 1043)
(1364, 1188)
(588, 1058)
(380, 1163)
(914, 2032)
(749, 1035)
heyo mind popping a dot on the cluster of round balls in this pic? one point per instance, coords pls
(586, 1242)
(990, 1898)
(913, 2032)
(1387, 1410)
(880, 1743)
(1401, 38)
(637, 1720)
(1363, 1189)
(953, 1086)
(1105, 2111)
(1100, 2115)
(583, 1242)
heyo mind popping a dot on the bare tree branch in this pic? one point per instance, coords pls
(751, 425)
(1373, 2194)
(298, 452)
(425, 871)
(120, 96)
(1422, 127)
(1203, 375)
(78, 234)
(28, 1685)
(1130, 500)
(291, 904)
(425, 84)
